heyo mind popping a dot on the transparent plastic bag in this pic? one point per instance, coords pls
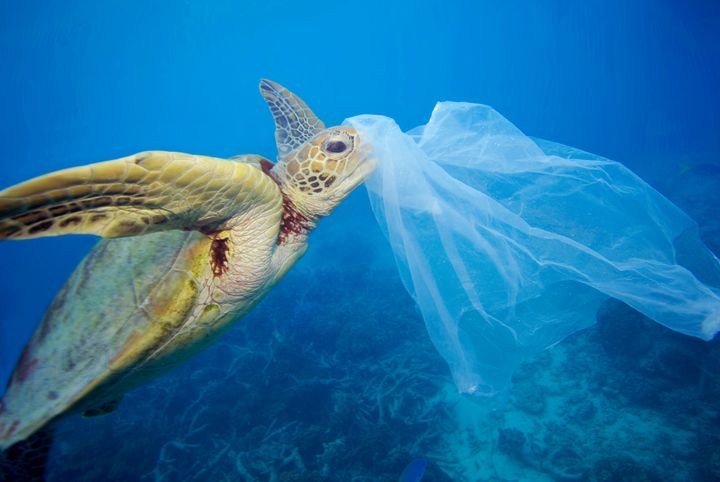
(510, 244)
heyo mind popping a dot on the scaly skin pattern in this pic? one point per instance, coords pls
(136, 307)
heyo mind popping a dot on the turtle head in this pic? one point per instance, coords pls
(317, 167)
(320, 173)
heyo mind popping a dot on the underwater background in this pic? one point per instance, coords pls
(333, 376)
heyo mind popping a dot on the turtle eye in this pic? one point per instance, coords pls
(337, 144)
(335, 147)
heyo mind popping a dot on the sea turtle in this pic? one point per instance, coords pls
(196, 242)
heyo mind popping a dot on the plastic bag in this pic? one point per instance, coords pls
(510, 244)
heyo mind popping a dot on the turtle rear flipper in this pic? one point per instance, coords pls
(139, 194)
(26, 460)
(102, 409)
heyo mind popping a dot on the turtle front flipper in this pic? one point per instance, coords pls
(139, 194)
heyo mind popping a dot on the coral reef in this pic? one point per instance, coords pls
(621, 468)
(565, 464)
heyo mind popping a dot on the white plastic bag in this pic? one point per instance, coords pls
(509, 244)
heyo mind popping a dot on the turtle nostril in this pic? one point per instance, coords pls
(336, 146)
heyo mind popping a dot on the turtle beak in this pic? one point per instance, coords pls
(365, 164)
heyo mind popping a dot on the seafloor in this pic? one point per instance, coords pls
(333, 378)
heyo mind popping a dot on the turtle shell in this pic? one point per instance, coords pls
(123, 302)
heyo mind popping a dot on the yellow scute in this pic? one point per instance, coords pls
(169, 305)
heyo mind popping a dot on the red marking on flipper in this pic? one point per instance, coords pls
(266, 166)
(218, 256)
(25, 366)
(12, 428)
(293, 222)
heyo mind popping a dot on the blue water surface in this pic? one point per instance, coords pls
(333, 376)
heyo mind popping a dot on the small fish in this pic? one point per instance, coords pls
(414, 471)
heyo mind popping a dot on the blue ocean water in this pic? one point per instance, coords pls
(333, 376)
